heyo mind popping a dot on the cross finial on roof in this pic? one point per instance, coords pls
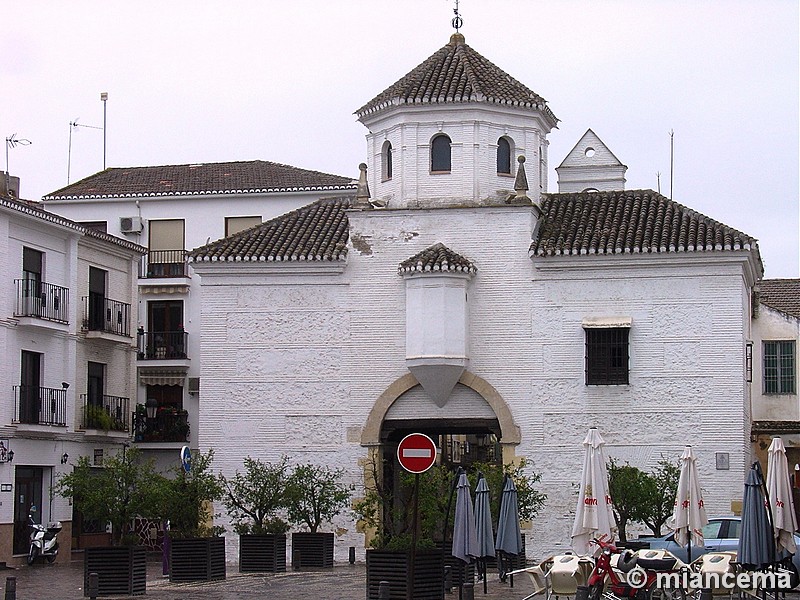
(457, 21)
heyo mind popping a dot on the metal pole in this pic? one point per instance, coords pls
(93, 586)
(414, 522)
(104, 98)
(11, 588)
(469, 591)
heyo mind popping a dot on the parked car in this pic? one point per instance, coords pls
(720, 535)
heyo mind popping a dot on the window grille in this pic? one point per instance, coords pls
(607, 356)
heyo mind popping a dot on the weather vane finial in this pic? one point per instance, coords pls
(457, 21)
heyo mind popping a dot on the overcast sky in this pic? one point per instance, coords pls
(215, 81)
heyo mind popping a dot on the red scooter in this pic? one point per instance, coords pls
(635, 574)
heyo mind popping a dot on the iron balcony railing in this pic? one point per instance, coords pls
(163, 263)
(104, 314)
(109, 413)
(41, 300)
(162, 345)
(38, 405)
(167, 426)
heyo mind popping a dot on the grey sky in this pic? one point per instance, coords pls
(212, 81)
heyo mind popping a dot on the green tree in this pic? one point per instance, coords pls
(253, 498)
(627, 486)
(315, 494)
(125, 487)
(660, 488)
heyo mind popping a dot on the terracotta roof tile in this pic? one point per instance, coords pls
(436, 258)
(630, 221)
(781, 294)
(210, 178)
(457, 73)
(316, 232)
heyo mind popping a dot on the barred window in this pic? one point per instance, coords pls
(779, 367)
(607, 355)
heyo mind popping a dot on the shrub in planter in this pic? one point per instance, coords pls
(252, 499)
(314, 495)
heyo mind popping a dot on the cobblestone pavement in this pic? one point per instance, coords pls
(64, 581)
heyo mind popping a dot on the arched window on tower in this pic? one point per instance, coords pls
(386, 160)
(504, 156)
(440, 154)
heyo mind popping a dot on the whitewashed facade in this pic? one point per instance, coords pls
(310, 350)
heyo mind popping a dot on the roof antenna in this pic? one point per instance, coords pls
(74, 125)
(457, 21)
(671, 161)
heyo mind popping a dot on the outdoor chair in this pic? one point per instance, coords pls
(559, 575)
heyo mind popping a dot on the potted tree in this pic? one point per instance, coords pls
(315, 495)
(196, 546)
(123, 488)
(252, 500)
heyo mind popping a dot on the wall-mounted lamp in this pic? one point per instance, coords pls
(6, 453)
(151, 406)
(64, 458)
(64, 385)
(10, 456)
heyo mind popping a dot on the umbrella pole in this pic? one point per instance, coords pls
(485, 589)
(446, 520)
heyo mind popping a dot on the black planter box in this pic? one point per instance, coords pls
(121, 570)
(197, 559)
(312, 549)
(460, 572)
(395, 567)
(262, 553)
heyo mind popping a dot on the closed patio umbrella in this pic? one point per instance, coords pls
(594, 516)
(483, 525)
(779, 492)
(509, 537)
(756, 541)
(465, 540)
(689, 514)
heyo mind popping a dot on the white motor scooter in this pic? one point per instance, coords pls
(43, 541)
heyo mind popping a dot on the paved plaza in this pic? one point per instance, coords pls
(64, 581)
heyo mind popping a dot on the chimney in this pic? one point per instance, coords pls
(10, 186)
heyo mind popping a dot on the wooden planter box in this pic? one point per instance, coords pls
(312, 549)
(197, 559)
(262, 553)
(121, 570)
(394, 567)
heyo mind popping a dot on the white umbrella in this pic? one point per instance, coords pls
(594, 516)
(689, 515)
(779, 491)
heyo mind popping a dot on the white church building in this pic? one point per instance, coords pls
(454, 295)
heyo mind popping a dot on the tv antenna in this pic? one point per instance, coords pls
(13, 141)
(74, 125)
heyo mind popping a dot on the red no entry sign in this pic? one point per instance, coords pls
(416, 453)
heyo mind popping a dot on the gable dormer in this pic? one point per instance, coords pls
(450, 132)
(591, 166)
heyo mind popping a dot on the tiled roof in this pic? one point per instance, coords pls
(630, 221)
(457, 73)
(436, 258)
(316, 232)
(249, 177)
(781, 294)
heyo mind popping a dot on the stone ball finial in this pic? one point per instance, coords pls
(520, 159)
(362, 167)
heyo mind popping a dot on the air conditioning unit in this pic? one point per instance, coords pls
(130, 224)
(193, 385)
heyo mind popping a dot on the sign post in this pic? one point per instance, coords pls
(416, 453)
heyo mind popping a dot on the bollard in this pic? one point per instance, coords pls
(705, 594)
(352, 557)
(11, 588)
(469, 591)
(295, 560)
(582, 593)
(93, 586)
(383, 590)
(448, 578)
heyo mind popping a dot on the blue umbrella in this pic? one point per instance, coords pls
(509, 536)
(483, 524)
(465, 541)
(756, 542)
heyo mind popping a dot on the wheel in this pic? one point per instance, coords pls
(32, 554)
(596, 592)
(50, 558)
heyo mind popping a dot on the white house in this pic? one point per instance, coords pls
(68, 374)
(454, 298)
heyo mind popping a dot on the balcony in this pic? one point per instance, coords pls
(162, 345)
(35, 405)
(169, 425)
(105, 413)
(103, 315)
(41, 301)
(163, 264)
